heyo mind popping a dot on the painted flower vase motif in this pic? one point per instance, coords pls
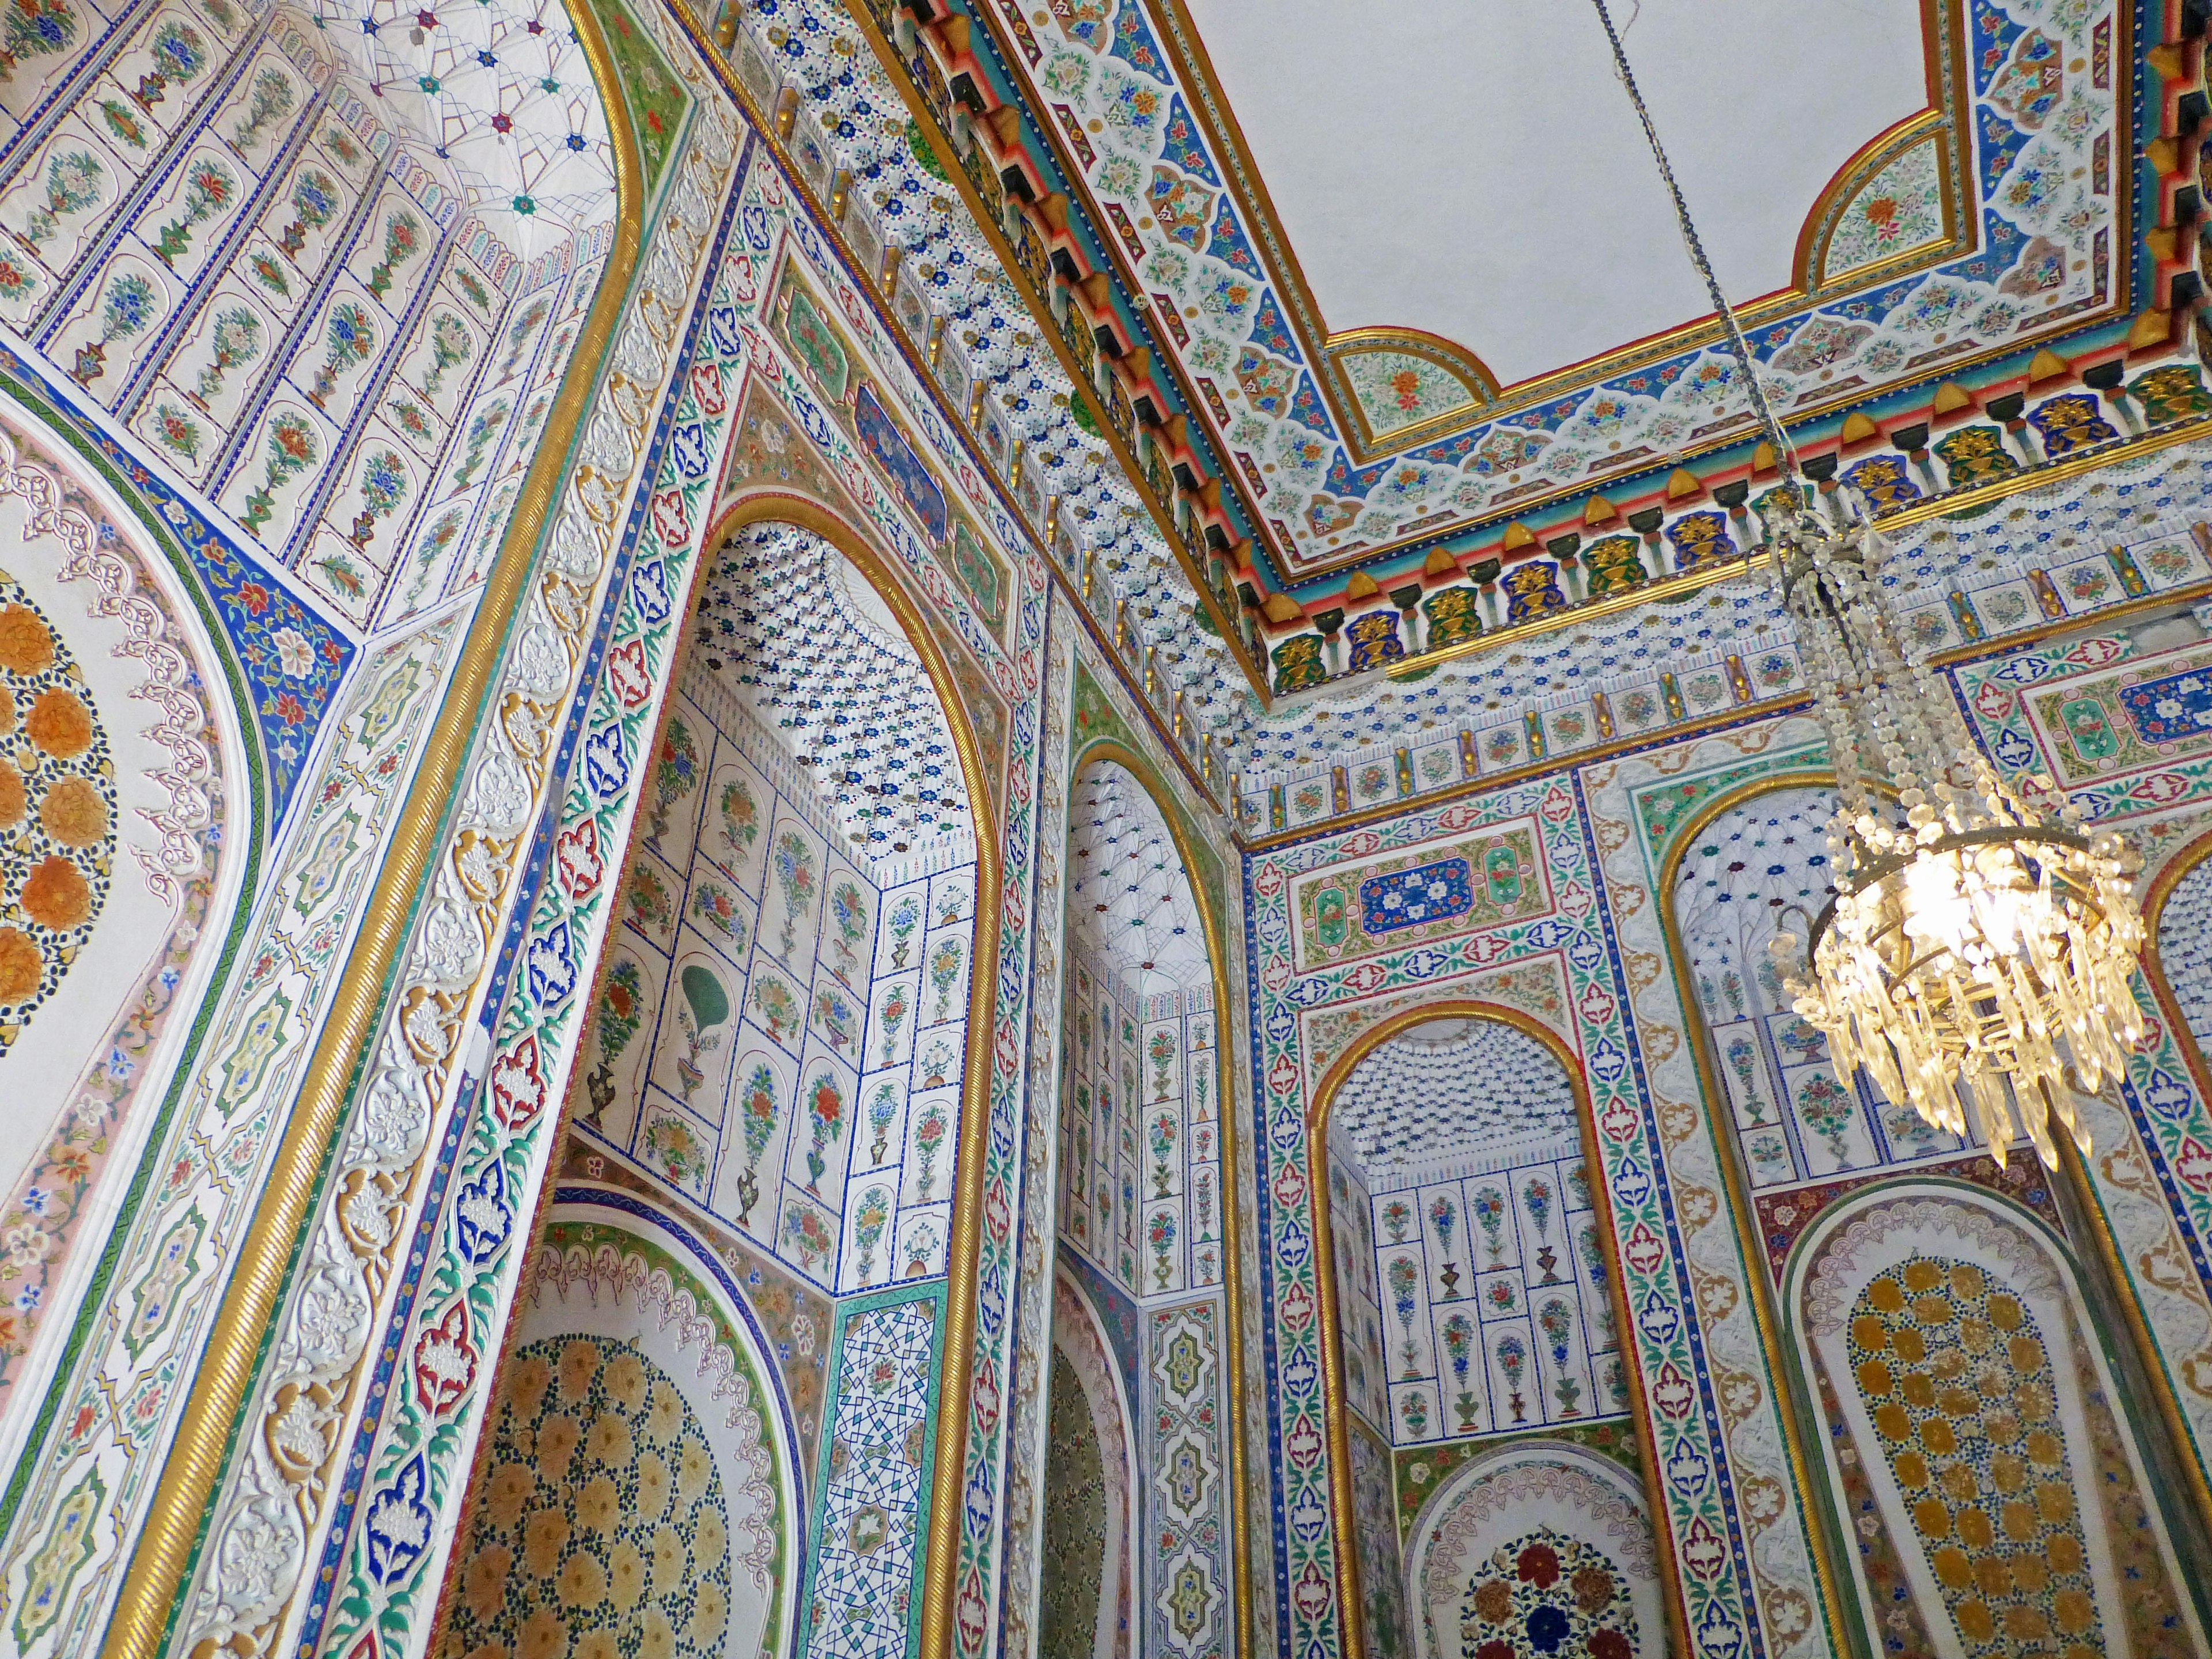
(1536, 1194)
(1513, 1360)
(402, 235)
(825, 1111)
(833, 1018)
(1459, 1348)
(75, 180)
(451, 345)
(1586, 1245)
(928, 1141)
(236, 341)
(1160, 1234)
(706, 1005)
(1161, 1049)
(906, 916)
(1202, 1204)
(850, 913)
(130, 306)
(291, 450)
(870, 1217)
(622, 1009)
(757, 1115)
(1490, 1214)
(652, 907)
(34, 28)
(883, 1107)
(210, 188)
(1444, 1215)
(349, 338)
(1413, 1412)
(1397, 1216)
(794, 876)
(936, 1061)
(713, 908)
(1578, 1186)
(889, 1016)
(944, 960)
(675, 774)
(383, 488)
(808, 1232)
(1825, 1107)
(1404, 1278)
(671, 1143)
(921, 1244)
(1556, 1321)
(777, 1008)
(269, 102)
(1165, 1128)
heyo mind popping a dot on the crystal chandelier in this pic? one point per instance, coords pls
(1978, 943)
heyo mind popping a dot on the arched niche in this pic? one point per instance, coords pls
(1146, 1222)
(637, 1492)
(1466, 1293)
(1539, 1546)
(1978, 1436)
(1086, 1586)
(132, 809)
(780, 1027)
(1753, 866)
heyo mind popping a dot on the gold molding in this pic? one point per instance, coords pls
(184, 1494)
(1113, 751)
(1342, 1512)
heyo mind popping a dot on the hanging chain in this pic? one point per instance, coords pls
(1786, 453)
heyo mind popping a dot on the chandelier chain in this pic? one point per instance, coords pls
(1740, 347)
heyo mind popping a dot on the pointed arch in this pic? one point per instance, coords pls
(1114, 750)
(1343, 1513)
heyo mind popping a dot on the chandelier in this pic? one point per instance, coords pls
(1979, 941)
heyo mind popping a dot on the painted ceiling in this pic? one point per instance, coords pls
(1130, 905)
(1451, 1097)
(1978, 217)
(1399, 222)
(820, 662)
(1760, 867)
(501, 90)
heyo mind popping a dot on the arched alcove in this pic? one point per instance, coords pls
(780, 1029)
(1086, 1588)
(1145, 1223)
(1979, 1435)
(1468, 1294)
(639, 1491)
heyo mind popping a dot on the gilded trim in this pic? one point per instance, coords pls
(183, 1497)
(1225, 1095)
(1342, 1512)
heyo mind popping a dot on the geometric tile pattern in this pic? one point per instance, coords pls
(502, 91)
(1426, 1105)
(824, 664)
(862, 1599)
(1190, 1483)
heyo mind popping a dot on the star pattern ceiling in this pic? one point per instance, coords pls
(1131, 904)
(817, 658)
(1421, 1108)
(501, 90)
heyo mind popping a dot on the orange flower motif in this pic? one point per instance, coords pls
(56, 896)
(74, 813)
(19, 977)
(25, 646)
(60, 723)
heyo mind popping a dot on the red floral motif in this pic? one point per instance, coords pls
(1539, 1565)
